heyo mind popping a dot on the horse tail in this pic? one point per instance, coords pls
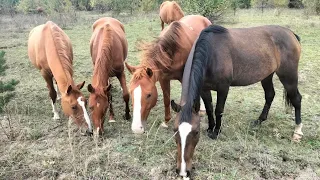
(178, 11)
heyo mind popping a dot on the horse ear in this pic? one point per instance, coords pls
(131, 69)
(69, 90)
(80, 86)
(175, 107)
(149, 72)
(90, 88)
(107, 89)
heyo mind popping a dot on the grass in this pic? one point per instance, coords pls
(49, 149)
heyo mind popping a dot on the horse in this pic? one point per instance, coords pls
(162, 60)
(108, 48)
(224, 57)
(170, 11)
(50, 51)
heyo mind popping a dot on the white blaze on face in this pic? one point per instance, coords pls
(85, 113)
(184, 130)
(136, 125)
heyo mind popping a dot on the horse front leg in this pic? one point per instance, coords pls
(125, 94)
(222, 94)
(165, 86)
(207, 99)
(52, 93)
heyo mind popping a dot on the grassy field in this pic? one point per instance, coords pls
(47, 149)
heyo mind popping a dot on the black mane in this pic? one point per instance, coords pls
(216, 29)
(197, 73)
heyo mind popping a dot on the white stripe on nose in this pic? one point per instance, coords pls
(184, 130)
(136, 125)
(85, 113)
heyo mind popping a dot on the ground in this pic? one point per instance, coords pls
(53, 149)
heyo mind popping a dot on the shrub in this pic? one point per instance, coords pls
(6, 88)
(212, 9)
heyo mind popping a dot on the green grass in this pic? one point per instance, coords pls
(50, 149)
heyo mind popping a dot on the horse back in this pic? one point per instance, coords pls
(109, 33)
(245, 56)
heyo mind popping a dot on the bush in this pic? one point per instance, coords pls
(6, 88)
(212, 9)
(48, 6)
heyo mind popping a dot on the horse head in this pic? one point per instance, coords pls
(144, 95)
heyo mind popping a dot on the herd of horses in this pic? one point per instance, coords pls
(190, 49)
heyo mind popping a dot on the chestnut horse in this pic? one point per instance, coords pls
(109, 48)
(162, 60)
(170, 11)
(222, 58)
(50, 51)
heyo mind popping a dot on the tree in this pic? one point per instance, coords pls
(6, 88)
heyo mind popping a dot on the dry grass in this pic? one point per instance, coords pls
(48, 149)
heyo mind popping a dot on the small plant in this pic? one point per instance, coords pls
(6, 94)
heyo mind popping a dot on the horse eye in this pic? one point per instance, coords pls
(91, 108)
(74, 107)
(149, 95)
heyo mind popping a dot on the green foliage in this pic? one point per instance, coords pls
(49, 6)
(6, 88)
(82, 4)
(211, 9)
(8, 6)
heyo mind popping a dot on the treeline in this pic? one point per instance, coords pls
(209, 8)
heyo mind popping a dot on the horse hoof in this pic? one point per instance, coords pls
(89, 133)
(296, 138)
(202, 113)
(212, 134)
(163, 124)
(255, 123)
(56, 117)
(127, 116)
(111, 121)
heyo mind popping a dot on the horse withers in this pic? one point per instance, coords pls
(235, 57)
(50, 51)
(109, 48)
(170, 11)
(162, 60)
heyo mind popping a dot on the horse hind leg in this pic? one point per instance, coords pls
(52, 93)
(125, 94)
(269, 95)
(293, 98)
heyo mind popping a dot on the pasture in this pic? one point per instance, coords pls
(54, 149)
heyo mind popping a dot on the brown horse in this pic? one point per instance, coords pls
(109, 48)
(170, 11)
(50, 51)
(222, 58)
(162, 60)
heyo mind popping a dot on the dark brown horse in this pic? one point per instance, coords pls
(234, 57)
(108, 47)
(162, 60)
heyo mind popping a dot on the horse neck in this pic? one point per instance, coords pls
(100, 75)
(62, 76)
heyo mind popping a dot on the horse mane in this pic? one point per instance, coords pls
(160, 52)
(216, 29)
(103, 63)
(61, 45)
(197, 72)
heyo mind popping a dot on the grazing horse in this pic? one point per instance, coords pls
(234, 57)
(162, 60)
(109, 48)
(170, 11)
(50, 51)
